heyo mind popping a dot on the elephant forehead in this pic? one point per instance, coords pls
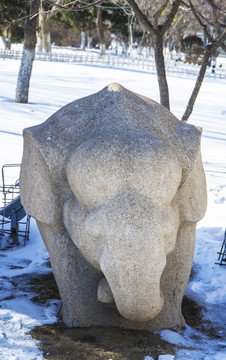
(102, 167)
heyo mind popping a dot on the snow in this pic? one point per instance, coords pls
(52, 86)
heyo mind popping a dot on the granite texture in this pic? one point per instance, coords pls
(116, 185)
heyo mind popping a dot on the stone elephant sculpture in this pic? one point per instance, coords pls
(116, 185)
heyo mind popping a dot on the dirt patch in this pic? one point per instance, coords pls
(59, 342)
(45, 287)
(192, 312)
(95, 343)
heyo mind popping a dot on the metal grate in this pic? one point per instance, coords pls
(222, 253)
(14, 221)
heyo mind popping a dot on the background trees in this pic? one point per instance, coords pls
(158, 17)
(96, 24)
(157, 20)
(82, 21)
(46, 12)
(214, 28)
(198, 28)
(11, 30)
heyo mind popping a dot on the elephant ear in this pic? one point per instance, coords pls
(36, 187)
(192, 193)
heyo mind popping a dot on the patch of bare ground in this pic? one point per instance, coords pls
(60, 343)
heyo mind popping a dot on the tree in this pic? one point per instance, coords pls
(28, 55)
(118, 18)
(69, 6)
(100, 30)
(46, 12)
(158, 18)
(78, 20)
(10, 28)
(182, 26)
(157, 22)
(110, 16)
(215, 40)
(105, 17)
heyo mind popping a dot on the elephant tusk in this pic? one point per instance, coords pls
(104, 293)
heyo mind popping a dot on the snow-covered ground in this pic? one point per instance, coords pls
(52, 86)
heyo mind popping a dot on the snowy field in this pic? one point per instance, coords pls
(52, 86)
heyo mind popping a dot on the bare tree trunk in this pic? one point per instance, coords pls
(46, 41)
(28, 55)
(6, 42)
(197, 87)
(6, 39)
(89, 40)
(160, 69)
(130, 31)
(100, 31)
(157, 31)
(140, 45)
(83, 40)
(43, 35)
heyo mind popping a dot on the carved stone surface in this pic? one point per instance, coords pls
(116, 185)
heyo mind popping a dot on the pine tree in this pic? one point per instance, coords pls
(12, 20)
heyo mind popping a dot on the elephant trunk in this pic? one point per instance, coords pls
(129, 237)
(133, 274)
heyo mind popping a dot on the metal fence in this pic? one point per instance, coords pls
(119, 61)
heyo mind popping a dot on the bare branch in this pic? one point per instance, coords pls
(206, 32)
(175, 27)
(215, 43)
(215, 21)
(223, 46)
(54, 9)
(197, 87)
(221, 40)
(215, 10)
(207, 55)
(184, 6)
(214, 6)
(171, 16)
(126, 9)
(141, 17)
(70, 7)
(158, 13)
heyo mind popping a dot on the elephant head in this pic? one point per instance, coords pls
(124, 177)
